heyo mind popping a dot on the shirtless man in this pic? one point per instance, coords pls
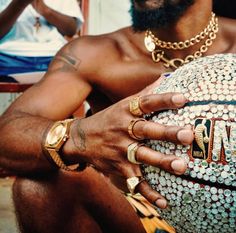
(107, 70)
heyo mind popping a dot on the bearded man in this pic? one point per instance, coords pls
(111, 72)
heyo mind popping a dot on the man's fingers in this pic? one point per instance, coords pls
(168, 163)
(151, 195)
(141, 186)
(153, 130)
(157, 102)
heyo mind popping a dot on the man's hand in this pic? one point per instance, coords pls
(103, 139)
(66, 25)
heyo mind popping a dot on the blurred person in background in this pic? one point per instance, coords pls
(32, 31)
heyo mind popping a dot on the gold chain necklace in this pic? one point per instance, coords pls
(151, 38)
(152, 43)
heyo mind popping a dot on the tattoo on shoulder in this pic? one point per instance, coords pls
(80, 139)
(69, 60)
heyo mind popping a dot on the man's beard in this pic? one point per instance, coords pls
(169, 13)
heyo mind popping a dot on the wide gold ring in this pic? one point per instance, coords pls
(133, 182)
(131, 152)
(131, 128)
(134, 106)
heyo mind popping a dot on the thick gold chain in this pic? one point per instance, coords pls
(203, 49)
(182, 44)
(159, 55)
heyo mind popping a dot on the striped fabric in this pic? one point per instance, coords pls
(148, 215)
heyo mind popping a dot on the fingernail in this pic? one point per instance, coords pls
(185, 136)
(161, 203)
(179, 99)
(179, 166)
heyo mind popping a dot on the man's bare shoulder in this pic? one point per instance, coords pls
(229, 24)
(228, 28)
(87, 53)
(95, 45)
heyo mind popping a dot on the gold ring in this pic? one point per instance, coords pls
(134, 106)
(131, 152)
(131, 127)
(133, 182)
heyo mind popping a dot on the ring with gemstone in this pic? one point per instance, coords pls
(133, 182)
(134, 106)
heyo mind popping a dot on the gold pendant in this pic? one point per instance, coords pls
(149, 43)
(37, 24)
(159, 55)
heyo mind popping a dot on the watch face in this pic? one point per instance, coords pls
(56, 134)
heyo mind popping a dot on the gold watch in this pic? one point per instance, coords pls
(56, 137)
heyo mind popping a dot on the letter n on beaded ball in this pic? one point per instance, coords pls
(203, 200)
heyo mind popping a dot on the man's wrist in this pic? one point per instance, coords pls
(55, 138)
(74, 150)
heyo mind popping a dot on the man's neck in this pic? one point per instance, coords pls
(193, 21)
(190, 24)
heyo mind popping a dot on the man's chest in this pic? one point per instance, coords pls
(119, 86)
(119, 81)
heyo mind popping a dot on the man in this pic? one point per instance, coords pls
(106, 69)
(32, 31)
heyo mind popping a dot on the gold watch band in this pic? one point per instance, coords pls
(55, 139)
(58, 161)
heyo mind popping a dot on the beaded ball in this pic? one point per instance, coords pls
(203, 200)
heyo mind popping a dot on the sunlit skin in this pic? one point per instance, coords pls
(107, 70)
(152, 4)
(148, 4)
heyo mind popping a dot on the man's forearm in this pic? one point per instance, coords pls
(21, 143)
(66, 25)
(9, 16)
